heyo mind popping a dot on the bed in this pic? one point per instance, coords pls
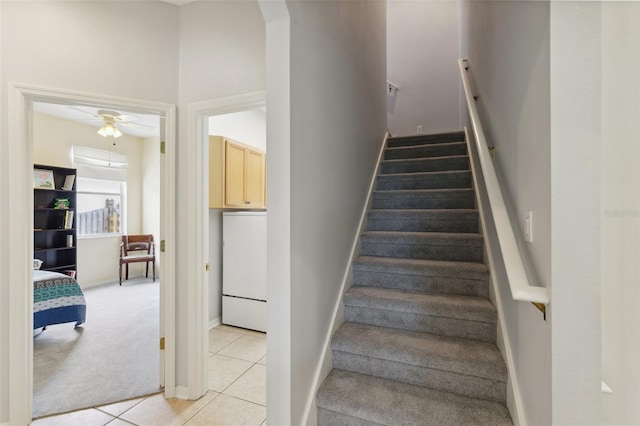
(57, 299)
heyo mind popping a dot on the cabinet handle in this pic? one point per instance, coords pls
(247, 202)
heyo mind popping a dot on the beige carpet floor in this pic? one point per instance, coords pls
(113, 356)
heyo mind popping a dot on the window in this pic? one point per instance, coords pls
(101, 187)
(100, 206)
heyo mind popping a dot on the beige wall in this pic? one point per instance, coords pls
(53, 139)
(508, 49)
(338, 123)
(72, 46)
(620, 160)
(422, 50)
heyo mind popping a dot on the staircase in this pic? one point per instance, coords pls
(418, 343)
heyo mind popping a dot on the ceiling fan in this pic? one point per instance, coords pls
(111, 120)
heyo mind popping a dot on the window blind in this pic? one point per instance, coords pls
(99, 163)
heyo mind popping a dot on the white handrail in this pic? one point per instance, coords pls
(521, 288)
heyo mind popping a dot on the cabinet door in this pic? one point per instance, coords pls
(254, 195)
(234, 185)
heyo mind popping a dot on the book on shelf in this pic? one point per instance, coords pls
(68, 219)
(68, 182)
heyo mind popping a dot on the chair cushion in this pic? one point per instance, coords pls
(137, 258)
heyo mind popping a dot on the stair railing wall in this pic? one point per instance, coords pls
(521, 287)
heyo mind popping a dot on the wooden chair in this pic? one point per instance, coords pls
(143, 249)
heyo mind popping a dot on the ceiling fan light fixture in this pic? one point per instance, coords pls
(109, 129)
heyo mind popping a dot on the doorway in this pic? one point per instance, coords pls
(115, 192)
(21, 100)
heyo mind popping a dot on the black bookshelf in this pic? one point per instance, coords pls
(54, 226)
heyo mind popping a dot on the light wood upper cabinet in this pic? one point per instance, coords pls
(237, 177)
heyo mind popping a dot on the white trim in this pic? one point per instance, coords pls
(515, 409)
(604, 388)
(198, 235)
(521, 287)
(20, 191)
(215, 322)
(182, 392)
(355, 248)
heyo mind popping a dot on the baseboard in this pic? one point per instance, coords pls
(514, 399)
(215, 322)
(325, 363)
(113, 280)
(182, 392)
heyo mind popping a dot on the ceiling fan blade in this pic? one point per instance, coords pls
(127, 117)
(132, 124)
(84, 111)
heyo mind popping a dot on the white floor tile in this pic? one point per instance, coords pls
(90, 417)
(156, 410)
(248, 348)
(118, 408)
(263, 360)
(219, 339)
(226, 410)
(224, 370)
(251, 386)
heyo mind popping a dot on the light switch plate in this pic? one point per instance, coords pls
(528, 227)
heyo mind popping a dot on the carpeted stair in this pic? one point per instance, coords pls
(418, 343)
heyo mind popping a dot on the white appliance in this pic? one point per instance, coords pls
(244, 270)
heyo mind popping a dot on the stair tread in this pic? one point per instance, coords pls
(469, 308)
(422, 191)
(422, 212)
(416, 147)
(404, 237)
(468, 357)
(425, 159)
(431, 136)
(418, 266)
(378, 400)
(414, 175)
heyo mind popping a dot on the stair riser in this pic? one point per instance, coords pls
(425, 225)
(460, 253)
(426, 151)
(431, 165)
(415, 201)
(426, 139)
(462, 384)
(429, 181)
(421, 323)
(438, 285)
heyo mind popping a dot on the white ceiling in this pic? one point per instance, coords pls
(135, 124)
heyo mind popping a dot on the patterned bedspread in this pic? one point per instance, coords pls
(57, 298)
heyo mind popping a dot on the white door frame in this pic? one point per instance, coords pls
(20, 191)
(198, 114)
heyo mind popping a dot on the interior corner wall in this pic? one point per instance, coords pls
(222, 53)
(338, 123)
(4, 254)
(248, 127)
(507, 44)
(422, 49)
(575, 309)
(71, 45)
(620, 186)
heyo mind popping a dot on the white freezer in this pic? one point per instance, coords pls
(244, 269)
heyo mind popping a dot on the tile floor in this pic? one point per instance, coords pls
(237, 395)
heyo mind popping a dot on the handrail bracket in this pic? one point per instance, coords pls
(542, 308)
